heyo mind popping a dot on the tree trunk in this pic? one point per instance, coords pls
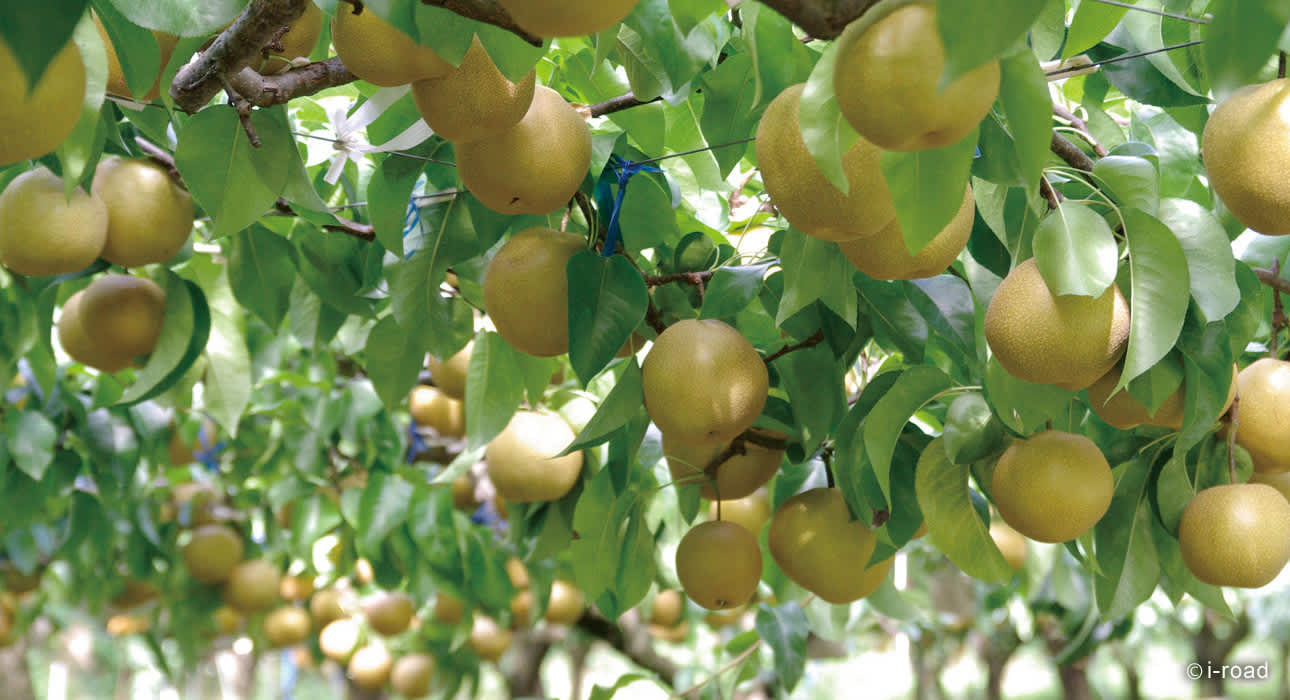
(15, 675)
(927, 667)
(524, 676)
(1074, 677)
(1212, 645)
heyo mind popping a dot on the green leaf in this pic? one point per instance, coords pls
(785, 629)
(31, 439)
(827, 134)
(136, 49)
(1023, 94)
(730, 109)
(1160, 293)
(261, 270)
(952, 521)
(1133, 181)
(607, 301)
(388, 193)
(185, 329)
(1211, 268)
(1240, 39)
(974, 34)
(623, 403)
(816, 270)
(972, 431)
(1092, 22)
(594, 552)
(383, 506)
(1022, 406)
(181, 17)
(1125, 551)
(912, 390)
(600, 692)
(636, 566)
(494, 389)
(393, 361)
(927, 187)
(779, 58)
(232, 181)
(228, 371)
(39, 31)
(810, 377)
(1075, 250)
(732, 289)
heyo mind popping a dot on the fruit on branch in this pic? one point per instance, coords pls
(474, 100)
(339, 638)
(116, 84)
(884, 255)
(389, 612)
(1246, 151)
(410, 676)
(286, 626)
(448, 609)
(149, 215)
(134, 593)
(517, 573)
(122, 314)
(1011, 544)
(738, 476)
(1053, 486)
(488, 639)
(79, 346)
(252, 586)
(888, 80)
(719, 564)
(533, 167)
(799, 189)
(1125, 412)
(369, 668)
(212, 552)
(37, 119)
(523, 463)
(1236, 535)
(296, 588)
(43, 231)
(379, 52)
(227, 621)
(815, 541)
(668, 606)
(704, 383)
(298, 42)
(752, 511)
(526, 290)
(450, 375)
(554, 18)
(325, 607)
(432, 408)
(566, 604)
(522, 609)
(1264, 413)
(1066, 340)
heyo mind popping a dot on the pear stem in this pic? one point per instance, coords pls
(816, 338)
(1281, 65)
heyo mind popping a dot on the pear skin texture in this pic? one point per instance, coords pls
(752, 511)
(473, 101)
(212, 553)
(555, 18)
(522, 462)
(37, 120)
(814, 540)
(450, 375)
(1037, 336)
(887, 81)
(116, 84)
(704, 383)
(566, 604)
(42, 232)
(534, 167)
(800, 191)
(1246, 150)
(149, 215)
(380, 53)
(488, 639)
(1280, 482)
(526, 290)
(718, 564)
(884, 255)
(252, 586)
(286, 626)
(1053, 486)
(1236, 535)
(737, 477)
(369, 668)
(298, 42)
(79, 346)
(1122, 411)
(433, 408)
(123, 314)
(389, 613)
(1264, 413)
(411, 675)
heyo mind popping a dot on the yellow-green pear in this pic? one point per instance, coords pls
(1246, 150)
(814, 540)
(37, 119)
(1053, 486)
(553, 18)
(522, 461)
(718, 564)
(746, 469)
(474, 100)
(450, 374)
(379, 52)
(123, 314)
(149, 214)
(212, 552)
(526, 290)
(1236, 535)
(1263, 414)
(884, 255)
(45, 232)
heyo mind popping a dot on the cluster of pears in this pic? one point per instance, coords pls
(352, 633)
(886, 79)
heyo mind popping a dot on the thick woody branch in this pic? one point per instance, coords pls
(233, 50)
(1072, 154)
(1273, 280)
(488, 12)
(632, 639)
(822, 19)
(269, 90)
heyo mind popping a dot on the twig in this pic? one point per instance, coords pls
(1272, 279)
(632, 639)
(366, 232)
(697, 279)
(270, 90)
(244, 114)
(1279, 320)
(1050, 194)
(488, 12)
(654, 318)
(1081, 127)
(816, 338)
(162, 158)
(1072, 154)
(618, 104)
(822, 19)
(732, 664)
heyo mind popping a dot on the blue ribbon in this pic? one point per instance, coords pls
(208, 454)
(624, 170)
(416, 444)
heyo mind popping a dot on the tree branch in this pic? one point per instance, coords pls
(618, 104)
(822, 19)
(632, 639)
(1272, 279)
(269, 90)
(1072, 154)
(1081, 127)
(488, 12)
(816, 338)
(233, 50)
(366, 232)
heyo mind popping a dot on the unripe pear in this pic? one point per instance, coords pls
(1263, 414)
(379, 52)
(522, 461)
(37, 119)
(719, 564)
(1236, 535)
(286, 626)
(526, 290)
(553, 18)
(149, 214)
(473, 101)
(43, 231)
(1053, 486)
(814, 540)
(738, 476)
(212, 552)
(123, 314)
(1245, 146)
(884, 255)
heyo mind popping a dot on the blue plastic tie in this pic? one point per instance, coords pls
(207, 453)
(411, 223)
(625, 169)
(416, 444)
